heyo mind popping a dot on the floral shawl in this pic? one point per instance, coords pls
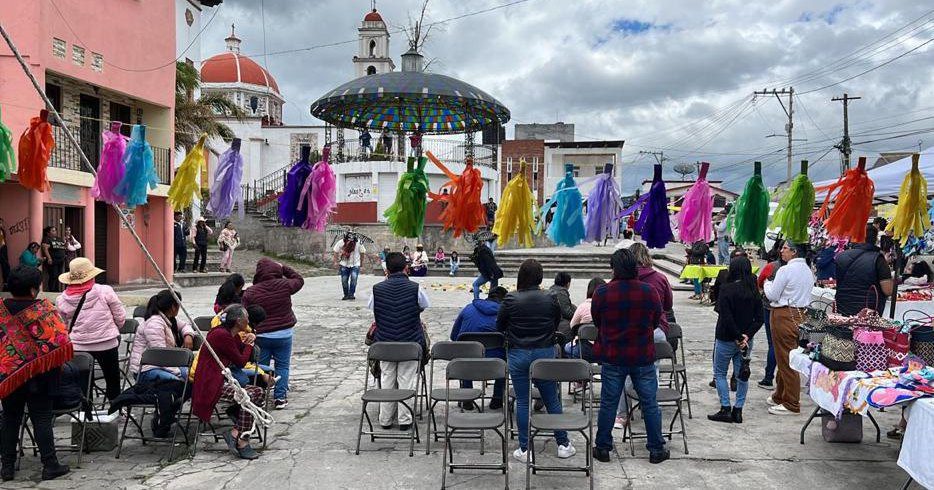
(32, 342)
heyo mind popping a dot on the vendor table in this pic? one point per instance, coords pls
(702, 272)
(917, 445)
(827, 295)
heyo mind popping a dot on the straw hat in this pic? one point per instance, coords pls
(80, 270)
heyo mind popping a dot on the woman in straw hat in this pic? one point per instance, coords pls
(94, 315)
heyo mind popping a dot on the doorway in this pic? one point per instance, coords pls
(101, 213)
(90, 131)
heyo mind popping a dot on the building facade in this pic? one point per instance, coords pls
(558, 131)
(588, 158)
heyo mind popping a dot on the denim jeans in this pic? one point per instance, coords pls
(723, 250)
(723, 354)
(454, 268)
(658, 335)
(697, 286)
(480, 281)
(243, 375)
(770, 358)
(280, 351)
(154, 375)
(645, 382)
(520, 361)
(349, 277)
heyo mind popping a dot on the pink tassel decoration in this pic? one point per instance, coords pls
(695, 220)
(321, 191)
(110, 171)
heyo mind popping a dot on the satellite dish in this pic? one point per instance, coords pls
(684, 169)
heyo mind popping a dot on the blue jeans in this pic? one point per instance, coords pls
(349, 280)
(770, 358)
(723, 354)
(243, 375)
(480, 281)
(645, 382)
(153, 375)
(454, 268)
(697, 286)
(723, 250)
(280, 351)
(520, 361)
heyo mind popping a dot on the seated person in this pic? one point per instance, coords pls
(419, 266)
(160, 329)
(918, 274)
(480, 316)
(244, 375)
(582, 316)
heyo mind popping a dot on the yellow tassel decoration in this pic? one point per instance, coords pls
(185, 186)
(514, 216)
(911, 216)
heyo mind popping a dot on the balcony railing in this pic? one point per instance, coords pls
(64, 155)
(448, 151)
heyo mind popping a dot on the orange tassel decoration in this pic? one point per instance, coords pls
(464, 211)
(35, 148)
(852, 204)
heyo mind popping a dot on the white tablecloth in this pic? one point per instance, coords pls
(826, 295)
(917, 444)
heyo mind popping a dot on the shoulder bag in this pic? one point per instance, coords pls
(74, 317)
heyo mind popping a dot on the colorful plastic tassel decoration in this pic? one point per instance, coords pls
(514, 215)
(654, 224)
(35, 148)
(603, 207)
(186, 184)
(567, 223)
(463, 211)
(110, 171)
(794, 210)
(695, 220)
(320, 193)
(911, 216)
(852, 204)
(290, 213)
(752, 211)
(406, 216)
(140, 171)
(7, 155)
(226, 191)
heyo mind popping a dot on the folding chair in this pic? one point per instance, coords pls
(588, 333)
(203, 323)
(560, 370)
(139, 311)
(488, 369)
(670, 397)
(390, 352)
(490, 340)
(162, 357)
(447, 350)
(676, 339)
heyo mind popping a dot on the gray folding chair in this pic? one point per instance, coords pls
(560, 370)
(676, 339)
(588, 333)
(390, 352)
(488, 369)
(139, 311)
(127, 337)
(447, 350)
(671, 397)
(203, 323)
(160, 357)
(490, 340)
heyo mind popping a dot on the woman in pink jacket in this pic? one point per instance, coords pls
(161, 329)
(94, 315)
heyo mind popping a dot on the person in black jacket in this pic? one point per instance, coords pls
(529, 318)
(560, 291)
(864, 279)
(486, 264)
(180, 242)
(740, 310)
(201, 245)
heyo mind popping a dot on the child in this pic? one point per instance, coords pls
(439, 257)
(455, 263)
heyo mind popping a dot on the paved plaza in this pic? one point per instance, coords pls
(312, 441)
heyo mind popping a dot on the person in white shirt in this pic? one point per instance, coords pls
(788, 294)
(348, 254)
(419, 266)
(627, 240)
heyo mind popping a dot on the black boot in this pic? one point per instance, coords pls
(737, 415)
(53, 470)
(7, 470)
(724, 415)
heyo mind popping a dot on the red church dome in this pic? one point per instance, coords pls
(373, 16)
(231, 67)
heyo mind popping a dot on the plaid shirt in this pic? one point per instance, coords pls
(626, 313)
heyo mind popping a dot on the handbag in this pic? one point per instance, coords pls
(897, 345)
(838, 351)
(870, 350)
(922, 343)
(813, 329)
(370, 334)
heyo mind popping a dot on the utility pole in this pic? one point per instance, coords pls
(844, 145)
(789, 111)
(659, 156)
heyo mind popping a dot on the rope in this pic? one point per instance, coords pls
(239, 393)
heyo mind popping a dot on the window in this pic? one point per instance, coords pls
(577, 170)
(58, 48)
(371, 70)
(54, 93)
(97, 62)
(77, 55)
(372, 49)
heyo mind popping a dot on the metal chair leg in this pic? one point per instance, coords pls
(360, 428)
(126, 422)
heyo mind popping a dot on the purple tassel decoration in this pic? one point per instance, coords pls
(290, 213)
(654, 224)
(603, 207)
(226, 190)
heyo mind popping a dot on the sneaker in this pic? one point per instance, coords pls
(621, 423)
(737, 414)
(658, 457)
(344, 298)
(405, 427)
(770, 401)
(280, 404)
(496, 404)
(520, 455)
(566, 451)
(765, 384)
(231, 443)
(55, 470)
(247, 452)
(781, 410)
(351, 298)
(602, 455)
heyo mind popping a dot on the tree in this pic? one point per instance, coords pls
(196, 116)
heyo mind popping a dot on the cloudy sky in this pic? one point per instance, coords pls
(664, 75)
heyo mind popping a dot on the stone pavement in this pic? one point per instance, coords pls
(313, 439)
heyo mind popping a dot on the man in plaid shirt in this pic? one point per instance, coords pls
(626, 312)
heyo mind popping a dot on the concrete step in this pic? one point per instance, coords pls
(195, 279)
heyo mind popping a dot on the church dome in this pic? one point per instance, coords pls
(233, 67)
(373, 16)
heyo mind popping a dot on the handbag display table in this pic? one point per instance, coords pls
(917, 444)
(827, 295)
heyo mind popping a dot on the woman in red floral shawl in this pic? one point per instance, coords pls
(34, 345)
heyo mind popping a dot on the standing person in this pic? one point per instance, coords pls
(53, 249)
(561, 294)
(72, 245)
(397, 304)
(347, 255)
(365, 142)
(626, 312)
(489, 271)
(767, 272)
(382, 259)
(740, 310)
(4, 257)
(454, 263)
(722, 278)
(419, 267)
(161, 329)
(31, 256)
(387, 143)
(273, 287)
(529, 318)
(200, 238)
(37, 346)
(490, 207)
(789, 293)
(723, 236)
(229, 293)
(864, 279)
(439, 257)
(228, 240)
(94, 315)
(480, 316)
(697, 255)
(180, 241)
(658, 281)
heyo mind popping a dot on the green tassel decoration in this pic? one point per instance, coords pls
(795, 208)
(752, 211)
(7, 155)
(406, 216)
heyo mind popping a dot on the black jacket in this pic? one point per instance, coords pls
(483, 258)
(859, 272)
(563, 297)
(180, 234)
(529, 318)
(739, 312)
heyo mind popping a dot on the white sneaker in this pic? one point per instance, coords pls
(520, 455)
(565, 452)
(770, 401)
(620, 423)
(781, 410)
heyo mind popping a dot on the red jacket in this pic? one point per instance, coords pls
(208, 377)
(273, 287)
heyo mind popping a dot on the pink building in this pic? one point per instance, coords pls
(109, 60)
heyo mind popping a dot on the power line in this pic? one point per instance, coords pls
(871, 69)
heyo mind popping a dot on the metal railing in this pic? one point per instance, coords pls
(262, 195)
(66, 156)
(448, 151)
